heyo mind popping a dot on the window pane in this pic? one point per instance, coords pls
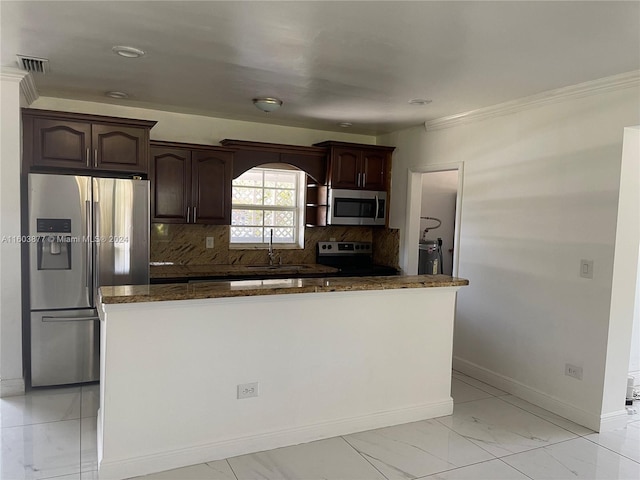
(269, 196)
(280, 179)
(278, 218)
(246, 234)
(250, 178)
(285, 198)
(246, 196)
(246, 217)
(283, 235)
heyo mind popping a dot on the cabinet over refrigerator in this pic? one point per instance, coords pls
(86, 232)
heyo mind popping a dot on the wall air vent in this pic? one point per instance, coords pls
(33, 64)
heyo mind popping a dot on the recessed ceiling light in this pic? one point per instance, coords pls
(345, 124)
(420, 101)
(117, 94)
(127, 52)
(267, 104)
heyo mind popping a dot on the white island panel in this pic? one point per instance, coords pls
(327, 364)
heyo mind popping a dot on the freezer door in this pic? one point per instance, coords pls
(59, 246)
(121, 224)
(64, 347)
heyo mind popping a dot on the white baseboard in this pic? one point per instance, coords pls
(143, 465)
(11, 387)
(613, 421)
(587, 419)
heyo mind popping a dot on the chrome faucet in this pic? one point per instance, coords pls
(271, 253)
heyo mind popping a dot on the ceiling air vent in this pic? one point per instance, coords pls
(33, 64)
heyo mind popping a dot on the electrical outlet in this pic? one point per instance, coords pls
(209, 242)
(247, 390)
(573, 371)
(586, 268)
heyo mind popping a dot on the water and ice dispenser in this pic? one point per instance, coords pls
(54, 243)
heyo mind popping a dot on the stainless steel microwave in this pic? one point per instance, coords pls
(356, 207)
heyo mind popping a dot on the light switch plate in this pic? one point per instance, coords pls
(209, 242)
(586, 268)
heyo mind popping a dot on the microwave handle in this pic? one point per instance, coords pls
(377, 208)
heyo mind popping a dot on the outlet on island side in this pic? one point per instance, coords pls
(586, 268)
(209, 242)
(573, 371)
(247, 390)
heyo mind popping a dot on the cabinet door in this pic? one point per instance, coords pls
(170, 184)
(60, 143)
(373, 170)
(211, 187)
(345, 168)
(121, 149)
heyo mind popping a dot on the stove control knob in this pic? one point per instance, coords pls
(330, 247)
(324, 247)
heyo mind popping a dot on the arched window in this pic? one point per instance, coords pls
(267, 199)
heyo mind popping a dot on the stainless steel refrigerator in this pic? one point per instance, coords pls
(84, 232)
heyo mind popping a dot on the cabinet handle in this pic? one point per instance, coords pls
(95, 157)
(364, 179)
(358, 182)
(188, 213)
(87, 156)
(195, 216)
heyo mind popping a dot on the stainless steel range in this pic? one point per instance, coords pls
(354, 259)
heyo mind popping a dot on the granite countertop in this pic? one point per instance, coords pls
(158, 271)
(246, 288)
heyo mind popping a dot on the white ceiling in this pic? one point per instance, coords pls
(329, 62)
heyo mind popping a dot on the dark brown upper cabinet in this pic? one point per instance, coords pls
(78, 142)
(356, 166)
(190, 183)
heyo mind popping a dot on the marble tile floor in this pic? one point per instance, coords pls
(491, 435)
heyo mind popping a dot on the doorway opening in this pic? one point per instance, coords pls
(433, 220)
(437, 222)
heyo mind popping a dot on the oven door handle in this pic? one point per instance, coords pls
(47, 318)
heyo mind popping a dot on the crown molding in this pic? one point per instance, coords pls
(25, 79)
(615, 82)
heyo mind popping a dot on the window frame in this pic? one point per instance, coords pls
(299, 211)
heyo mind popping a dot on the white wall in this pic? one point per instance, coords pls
(540, 193)
(439, 191)
(11, 381)
(634, 356)
(625, 274)
(179, 127)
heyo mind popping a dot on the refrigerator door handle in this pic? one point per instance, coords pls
(87, 231)
(96, 251)
(69, 319)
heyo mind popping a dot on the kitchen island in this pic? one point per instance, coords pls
(315, 357)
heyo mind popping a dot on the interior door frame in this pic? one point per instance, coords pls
(414, 206)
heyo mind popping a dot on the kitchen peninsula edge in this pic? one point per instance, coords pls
(331, 356)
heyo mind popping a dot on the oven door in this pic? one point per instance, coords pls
(356, 207)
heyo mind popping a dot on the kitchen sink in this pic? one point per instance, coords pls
(276, 267)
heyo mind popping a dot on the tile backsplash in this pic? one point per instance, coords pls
(186, 245)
